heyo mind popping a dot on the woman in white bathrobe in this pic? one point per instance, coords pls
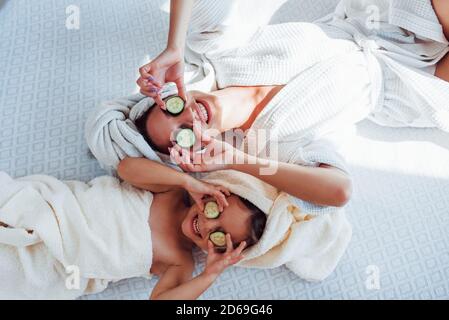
(301, 83)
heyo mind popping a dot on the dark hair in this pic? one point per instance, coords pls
(258, 222)
(141, 125)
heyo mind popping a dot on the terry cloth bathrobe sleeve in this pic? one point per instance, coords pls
(54, 233)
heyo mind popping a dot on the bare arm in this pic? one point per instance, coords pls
(323, 185)
(177, 284)
(151, 175)
(168, 66)
(156, 177)
(180, 13)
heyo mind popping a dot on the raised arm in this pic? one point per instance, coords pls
(168, 66)
(180, 13)
(324, 185)
(177, 283)
(151, 175)
(156, 177)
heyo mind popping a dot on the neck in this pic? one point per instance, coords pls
(242, 105)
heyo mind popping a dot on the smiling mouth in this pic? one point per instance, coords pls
(196, 227)
(203, 111)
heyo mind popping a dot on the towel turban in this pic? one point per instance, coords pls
(111, 132)
(110, 129)
(309, 248)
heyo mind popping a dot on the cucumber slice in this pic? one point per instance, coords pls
(175, 105)
(218, 238)
(185, 138)
(211, 210)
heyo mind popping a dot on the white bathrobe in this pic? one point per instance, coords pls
(56, 231)
(336, 72)
(347, 67)
(401, 42)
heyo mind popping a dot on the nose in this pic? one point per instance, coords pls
(188, 115)
(207, 225)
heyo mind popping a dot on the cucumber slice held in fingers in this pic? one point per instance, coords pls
(175, 105)
(218, 238)
(186, 138)
(211, 210)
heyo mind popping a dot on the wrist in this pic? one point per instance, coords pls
(209, 276)
(186, 181)
(175, 48)
(241, 160)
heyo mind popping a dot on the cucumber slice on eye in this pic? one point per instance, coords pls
(175, 105)
(211, 210)
(218, 238)
(185, 138)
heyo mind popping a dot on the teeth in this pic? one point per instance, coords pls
(203, 111)
(195, 226)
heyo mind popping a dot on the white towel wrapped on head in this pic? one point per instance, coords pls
(111, 133)
(309, 248)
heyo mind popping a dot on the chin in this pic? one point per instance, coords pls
(188, 231)
(185, 227)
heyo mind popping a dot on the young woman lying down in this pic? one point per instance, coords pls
(300, 83)
(61, 240)
(52, 232)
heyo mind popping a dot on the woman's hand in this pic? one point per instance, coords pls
(199, 189)
(216, 262)
(217, 155)
(166, 67)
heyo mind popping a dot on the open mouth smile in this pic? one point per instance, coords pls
(203, 111)
(195, 226)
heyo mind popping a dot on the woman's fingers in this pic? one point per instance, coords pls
(175, 156)
(224, 190)
(199, 202)
(145, 71)
(196, 128)
(221, 199)
(210, 248)
(186, 160)
(158, 99)
(154, 81)
(181, 89)
(152, 92)
(185, 156)
(229, 246)
(177, 147)
(240, 248)
(236, 254)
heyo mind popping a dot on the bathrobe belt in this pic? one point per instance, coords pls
(381, 53)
